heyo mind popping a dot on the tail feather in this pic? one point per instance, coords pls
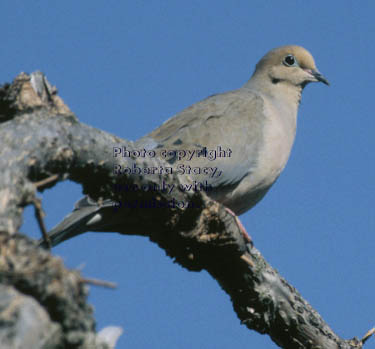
(88, 215)
(72, 225)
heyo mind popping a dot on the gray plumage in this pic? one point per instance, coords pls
(256, 122)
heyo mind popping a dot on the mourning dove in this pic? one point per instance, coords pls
(254, 126)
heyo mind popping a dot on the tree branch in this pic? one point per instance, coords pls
(40, 137)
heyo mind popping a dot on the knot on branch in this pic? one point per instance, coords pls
(30, 92)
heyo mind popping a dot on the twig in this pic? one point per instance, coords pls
(39, 214)
(368, 335)
(46, 181)
(98, 282)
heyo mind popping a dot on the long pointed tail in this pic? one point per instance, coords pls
(86, 216)
(77, 222)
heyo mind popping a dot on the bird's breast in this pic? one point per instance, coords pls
(278, 133)
(278, 138)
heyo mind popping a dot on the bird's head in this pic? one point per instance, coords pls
(291, 65)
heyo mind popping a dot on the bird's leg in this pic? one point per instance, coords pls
(242, 228)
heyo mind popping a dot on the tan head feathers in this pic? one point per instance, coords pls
(289, 64)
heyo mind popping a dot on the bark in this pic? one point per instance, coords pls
(41, 137)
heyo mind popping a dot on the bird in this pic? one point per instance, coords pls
(256, 123)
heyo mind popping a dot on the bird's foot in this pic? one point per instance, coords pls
(242, 228)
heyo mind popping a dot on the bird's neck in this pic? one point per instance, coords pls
(281, 91)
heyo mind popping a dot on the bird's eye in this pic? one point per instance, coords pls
(290, 61)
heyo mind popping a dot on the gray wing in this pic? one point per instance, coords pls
(230, 120)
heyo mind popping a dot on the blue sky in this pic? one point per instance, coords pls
(126, 66)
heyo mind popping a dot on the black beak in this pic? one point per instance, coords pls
(318, 76)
